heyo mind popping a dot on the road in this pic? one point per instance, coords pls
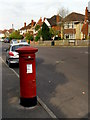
(62, 79)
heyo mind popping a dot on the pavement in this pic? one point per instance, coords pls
(10, 98)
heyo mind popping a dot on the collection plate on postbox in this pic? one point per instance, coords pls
(29, 68)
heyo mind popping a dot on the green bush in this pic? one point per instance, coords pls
(38, 35)
(37, 38)
(28, 41)
(15, 35)
(28, 37)
(37, 27)
(53, 32)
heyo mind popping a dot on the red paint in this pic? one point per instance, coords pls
(27, 80)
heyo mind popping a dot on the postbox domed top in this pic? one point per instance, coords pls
(26, 49)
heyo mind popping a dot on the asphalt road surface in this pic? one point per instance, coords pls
(62, 79)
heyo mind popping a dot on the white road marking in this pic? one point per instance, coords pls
(15, 72)
(39, 100)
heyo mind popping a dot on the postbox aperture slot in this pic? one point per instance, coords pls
(26, 58)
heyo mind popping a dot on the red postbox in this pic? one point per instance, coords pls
(27, 71)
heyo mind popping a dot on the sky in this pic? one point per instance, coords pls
(17, 12)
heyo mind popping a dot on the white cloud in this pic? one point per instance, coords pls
(20, 11)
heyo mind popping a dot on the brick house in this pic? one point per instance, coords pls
(53, 22)
(28, 28)
(5, 33)
(72, 26)
(31, 27)
(23, 30)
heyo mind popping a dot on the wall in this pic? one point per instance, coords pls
(62, 43)
(78, 31)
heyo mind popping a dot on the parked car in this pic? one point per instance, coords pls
(1, 40)
(23, 41)
(12, 56)
(13, 41)
(6, 40)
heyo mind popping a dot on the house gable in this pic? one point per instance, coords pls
(27, 28)
(53, 20)
(47, 23)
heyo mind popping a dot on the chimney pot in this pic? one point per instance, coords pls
(86, 14)
(32, 22)
(44, 19)
(25, 24)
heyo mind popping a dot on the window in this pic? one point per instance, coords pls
(72, 25)
(67, 36)
(68, 25)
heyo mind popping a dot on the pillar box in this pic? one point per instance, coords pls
(27, 72)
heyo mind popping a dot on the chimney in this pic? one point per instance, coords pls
(32, 22)
(86, 14)
(40, 19)
(44, 19)
(25, 24)
(57, 19)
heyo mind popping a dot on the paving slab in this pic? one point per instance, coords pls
(10, 98)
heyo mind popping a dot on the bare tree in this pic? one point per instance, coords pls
(63, 13)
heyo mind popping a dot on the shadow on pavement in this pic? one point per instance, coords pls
(48, 79)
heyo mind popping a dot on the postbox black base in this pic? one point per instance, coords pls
(28, 102)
